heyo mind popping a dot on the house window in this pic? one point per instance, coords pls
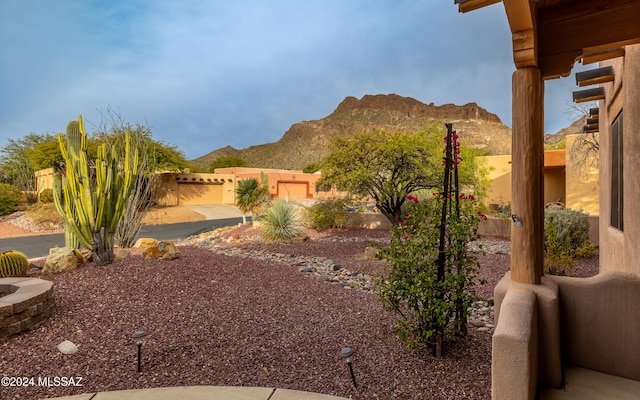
(617, 192)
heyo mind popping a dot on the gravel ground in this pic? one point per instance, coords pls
(212, 319)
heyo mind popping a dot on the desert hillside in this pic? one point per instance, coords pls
(307, 142)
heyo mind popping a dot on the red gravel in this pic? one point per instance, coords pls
(219, 320)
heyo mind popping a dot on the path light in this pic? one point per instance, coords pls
(347, 352)
(138, 339)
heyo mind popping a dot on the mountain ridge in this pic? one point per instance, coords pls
(307, 142)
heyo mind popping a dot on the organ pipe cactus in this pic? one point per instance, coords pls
(13, 263)
(95, 192)
(74, 141)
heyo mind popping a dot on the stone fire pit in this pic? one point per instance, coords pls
(25, 304)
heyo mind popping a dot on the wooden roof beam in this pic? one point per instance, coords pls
(568, 29)
(470, 5)
(582, 96)
(601, 55)
(523, 34)
(594, 76)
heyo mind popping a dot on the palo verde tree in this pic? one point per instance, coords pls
(95, 192)
(387, 166)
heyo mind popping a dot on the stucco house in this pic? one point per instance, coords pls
(561, 337)
(171, 188)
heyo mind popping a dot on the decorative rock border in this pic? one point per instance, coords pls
(25, 304)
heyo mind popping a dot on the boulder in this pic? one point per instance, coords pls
(121, 254)
(67, 347)
(164, 249)
(146, 242)
(61, 259)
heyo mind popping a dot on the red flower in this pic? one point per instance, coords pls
(482, 215)
(405, 237)
(412, 198)
(409, 216)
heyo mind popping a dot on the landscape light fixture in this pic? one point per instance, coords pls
(346, 353)
(138, 339)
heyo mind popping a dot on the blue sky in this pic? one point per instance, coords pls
(206, 74)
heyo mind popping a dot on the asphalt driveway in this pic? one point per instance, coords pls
(218, 216)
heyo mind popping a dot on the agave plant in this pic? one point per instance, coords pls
(282, 222)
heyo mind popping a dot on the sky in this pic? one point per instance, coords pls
(204, 74)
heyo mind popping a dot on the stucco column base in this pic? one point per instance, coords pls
(546, 327)
(514, 361)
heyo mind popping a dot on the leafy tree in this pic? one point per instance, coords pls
(225, 162)
(250, 195)
(311, 168)
(45, 154)
(159, 156)
(15, 164)
(388, 166)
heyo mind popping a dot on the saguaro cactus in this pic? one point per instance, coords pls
(95, 193)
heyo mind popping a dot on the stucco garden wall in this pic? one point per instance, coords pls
(620, 250)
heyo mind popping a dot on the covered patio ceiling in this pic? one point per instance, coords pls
(553, 34)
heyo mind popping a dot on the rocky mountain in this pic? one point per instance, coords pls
(307, 142)
(575, 128)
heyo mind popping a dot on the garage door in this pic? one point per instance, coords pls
(292, 190)
(191, 193)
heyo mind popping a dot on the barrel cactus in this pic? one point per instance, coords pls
(13, 263)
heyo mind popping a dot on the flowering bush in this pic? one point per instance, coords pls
(432, 277)
(427, 305)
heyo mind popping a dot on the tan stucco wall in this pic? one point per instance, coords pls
(620, 251)
(44, 179)
(577, 188)
(499, 168)
(171, 189)
(582, 181)
(283, 184)
(600, 324)
(554, 185)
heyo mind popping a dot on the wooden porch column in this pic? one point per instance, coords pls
(527, 227)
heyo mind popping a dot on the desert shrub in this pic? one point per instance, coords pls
(330, 213)
(45, 216)
(46, 196)
(10, 198)
(282, 222)
(566, 237)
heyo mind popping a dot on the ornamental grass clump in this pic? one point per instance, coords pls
(432, 278)
(281, 222)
